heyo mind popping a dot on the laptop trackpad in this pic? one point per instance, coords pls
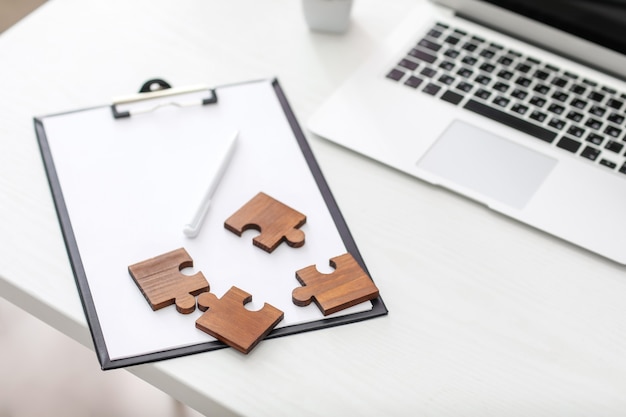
(487, 164)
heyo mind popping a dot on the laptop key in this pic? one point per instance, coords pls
(413, 81)
(431, 89)
(590, 153)
(451, 97)
(608, 164)
(510, 120)
(569, 144)
(422, 55)
(433, 46)
(395, 74)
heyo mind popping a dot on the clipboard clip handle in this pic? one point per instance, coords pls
(159, 89)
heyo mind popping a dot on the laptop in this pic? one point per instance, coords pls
(519, 105)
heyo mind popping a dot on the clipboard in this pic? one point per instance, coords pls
(125, 177)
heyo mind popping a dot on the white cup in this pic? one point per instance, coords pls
(327, 15)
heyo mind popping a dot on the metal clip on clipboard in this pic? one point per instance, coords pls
(161, 94)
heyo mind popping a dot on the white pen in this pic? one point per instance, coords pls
(193, 228)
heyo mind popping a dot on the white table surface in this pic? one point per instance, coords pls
(488, 317)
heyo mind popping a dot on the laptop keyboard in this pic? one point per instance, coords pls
(552, 104)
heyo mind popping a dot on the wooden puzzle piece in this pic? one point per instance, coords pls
(162, 283)
(276, 221)
(348, 285)
(229, 321)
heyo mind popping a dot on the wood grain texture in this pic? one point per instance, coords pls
(162, 283)
(229, 321)
(276, 221)
(348, 285)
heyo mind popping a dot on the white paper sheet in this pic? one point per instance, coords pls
(130, 185)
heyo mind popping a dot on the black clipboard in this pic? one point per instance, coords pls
(62, 176)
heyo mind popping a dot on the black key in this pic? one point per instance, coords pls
(482, 79)
(469, 46)
(478, 39)
(552, 68)
(524, 68)
(501, 87)
(395, 74)
(452, 40)
(424, 56)
(597, 111)
(595, 139)
(593, 123)
(515, 53)
(429, 72)
(496, 46)
(510, 120)
(533, 60)
(575, 116)
(578, 103)
(487, 67)
(434, 33)
(460, 32)
(433, 46)
(463, 86)
(408, 64)
(523, 81)
(469, 60)
(556, 108)
(446, 65)
(537, 101)
(608, 163)
(608, 90)
(576, 131)
(484, 94)
(431, 89)
(614, 146)
(519, 108)
(505, 60)
(542, 75)
(571, 75)
(557, 123)
(595, 96)
(618, 119)
(446, 79)
(413, 81)
(465, 72)
(623, 168)
(538, 116)
(614, 104)
(501, 101)
(559, 82)
(578, 89)
(612, 131)
(487, 53)
(519, 94)
(568, 144)
(451, 97)
(542, 89)
(452, 53)
(560, 96)
(507, 75)
(590, 153)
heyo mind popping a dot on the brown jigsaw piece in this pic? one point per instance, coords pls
(162, 283)
(276, 221)
(229, 321)
(348, 285)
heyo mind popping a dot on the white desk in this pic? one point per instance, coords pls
(487, 316)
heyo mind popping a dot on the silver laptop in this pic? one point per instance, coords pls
(495, 100)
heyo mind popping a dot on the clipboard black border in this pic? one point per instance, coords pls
(378, 306)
